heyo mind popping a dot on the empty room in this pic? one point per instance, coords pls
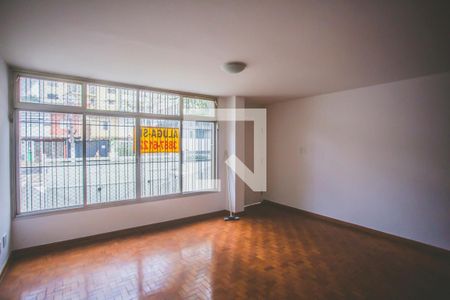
(224, 149)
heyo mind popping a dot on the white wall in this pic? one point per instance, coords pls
(5, 199)
(377, 156)
(38, 230)
(251, 197)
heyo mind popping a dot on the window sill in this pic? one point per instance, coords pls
(73, 209)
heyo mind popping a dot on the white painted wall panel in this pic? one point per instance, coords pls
(377, 156)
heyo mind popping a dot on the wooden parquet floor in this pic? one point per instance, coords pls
(271, 253)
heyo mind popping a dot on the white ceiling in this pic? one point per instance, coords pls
(293, 48)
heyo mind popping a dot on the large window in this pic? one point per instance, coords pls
(79, 143)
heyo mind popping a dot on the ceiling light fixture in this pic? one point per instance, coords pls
(234, 67)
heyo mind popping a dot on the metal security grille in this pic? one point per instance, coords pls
(101, 97)
(159, 103)
(50, 160)
(199, 107)
(80, 143)
(53, 92)
(160, 172)
(198, 156)
(110, 159)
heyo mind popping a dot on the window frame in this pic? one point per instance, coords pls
(16, 107)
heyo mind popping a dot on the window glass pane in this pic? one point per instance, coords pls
(110, 159)
(198, 155)
(160, 157)
(103, 97)
(159, 103)
(33, 90)
(199, 107)
(50, 160)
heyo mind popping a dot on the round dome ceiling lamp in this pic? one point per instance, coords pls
(234, 67)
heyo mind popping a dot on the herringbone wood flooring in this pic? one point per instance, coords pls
(271, 253)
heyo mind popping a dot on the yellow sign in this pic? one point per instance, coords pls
(160, 140)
